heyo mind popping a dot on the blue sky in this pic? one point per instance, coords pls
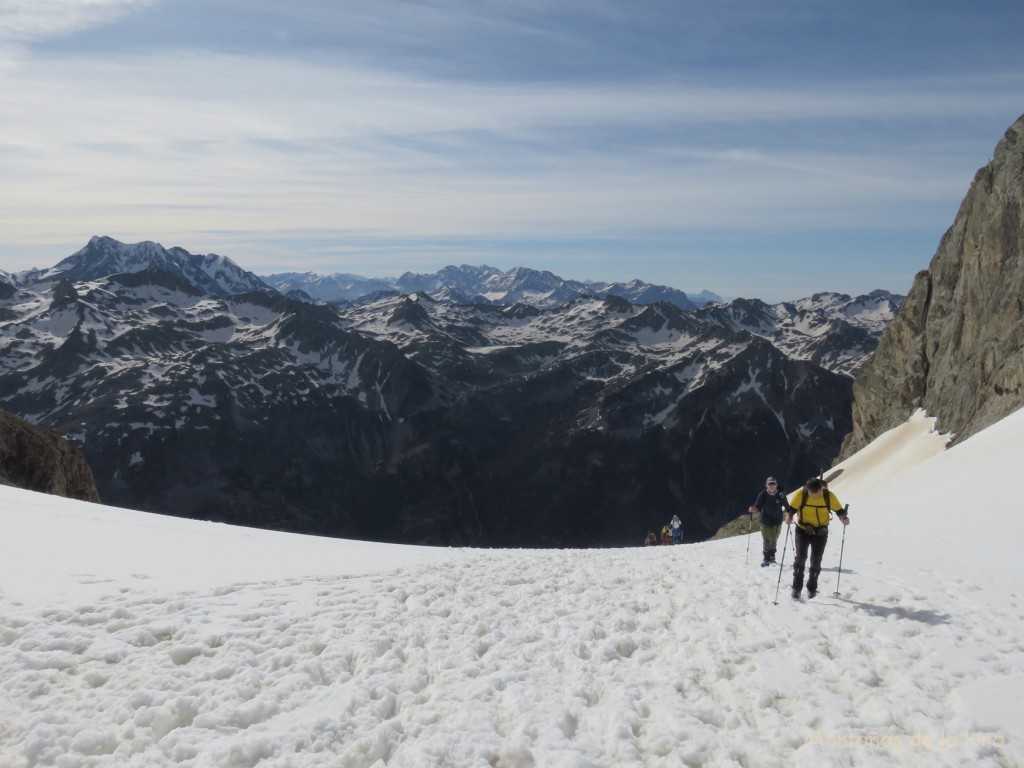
(750, 148)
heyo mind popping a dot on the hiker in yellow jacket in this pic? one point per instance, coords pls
(814, 503)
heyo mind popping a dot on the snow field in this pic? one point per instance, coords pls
(659, 657)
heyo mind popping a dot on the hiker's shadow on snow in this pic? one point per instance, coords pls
(834, 569)
(885, 611)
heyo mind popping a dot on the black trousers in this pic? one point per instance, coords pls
(816, 545)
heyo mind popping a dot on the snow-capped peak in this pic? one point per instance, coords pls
(104, 256)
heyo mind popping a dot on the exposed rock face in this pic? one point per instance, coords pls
(39, 459)
(956, 348)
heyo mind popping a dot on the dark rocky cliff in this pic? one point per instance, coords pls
(956, 348)
(39, 459)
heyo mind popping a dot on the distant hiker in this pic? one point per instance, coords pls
(666, 537)
(814, 503)
(770, 506)
(651, 540)
(677, 529)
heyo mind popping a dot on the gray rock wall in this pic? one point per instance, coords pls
(956, 348)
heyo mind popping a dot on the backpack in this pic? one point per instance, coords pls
(828, 509)
(773, 507)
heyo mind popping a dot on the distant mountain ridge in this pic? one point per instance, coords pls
(405, 417)
(483, 285)
(220, 276)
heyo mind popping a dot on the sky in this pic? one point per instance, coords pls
(768, 150)
(131, 639)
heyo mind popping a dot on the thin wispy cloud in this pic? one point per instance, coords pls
(32, 20)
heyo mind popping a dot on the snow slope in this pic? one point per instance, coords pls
(128, 639)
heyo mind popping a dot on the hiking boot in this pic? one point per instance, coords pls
(766, 563)
(796, 593)
(811, 592)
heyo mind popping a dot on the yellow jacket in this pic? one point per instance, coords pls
(815, 510)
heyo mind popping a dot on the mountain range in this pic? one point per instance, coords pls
(420, 419)
(219, 276)
(481, 285)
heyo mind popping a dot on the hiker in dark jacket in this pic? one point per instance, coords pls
(771, 506)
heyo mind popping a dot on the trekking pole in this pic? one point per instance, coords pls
(842, 546)
(782, 564)
(750, 529)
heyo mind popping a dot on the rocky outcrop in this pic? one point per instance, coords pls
(39, 459)
(956, 348)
